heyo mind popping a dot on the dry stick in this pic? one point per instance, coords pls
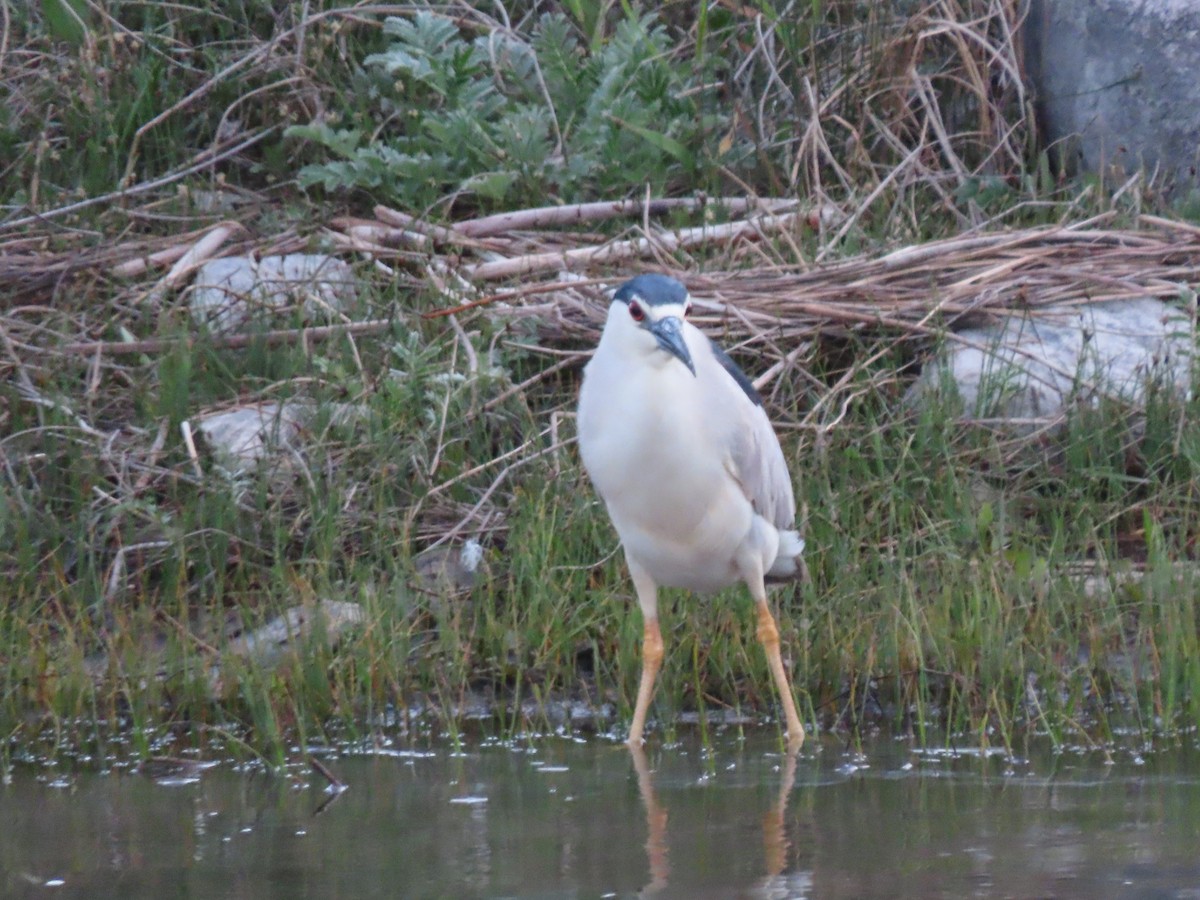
(468, 349)
(116, 573)
(356, 243)
(25, 383)
(4, 32)
(152, 456)
(499, 480)
(518, 294)
(30, 394)
(1170, 224)
(548, 351)
(463, 476)
(271, 338)
(688, 237)
(575, 214)
(964, 34)
(923, 87)
(780, 365)
(865, 205)
(444, 417)
(185, 428)
(323, 770)
(996, 243)
(520, 388)
(138, 264)
(814, 135)
(189, 635)
(386, 235)
(427, 231)
(242, 62)
(413, 226)
(195, 256)
(422, 235)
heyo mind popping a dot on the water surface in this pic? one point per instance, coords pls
(562, 817)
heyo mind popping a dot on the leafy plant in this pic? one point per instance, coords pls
(504, 120)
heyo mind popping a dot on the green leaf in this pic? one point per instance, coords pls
(987, 515)
(663, 142)
(493, 185)
(343, 142)
(67, 20)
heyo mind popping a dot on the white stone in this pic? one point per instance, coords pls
(241, 437)
(1025, 370)
(228, 293)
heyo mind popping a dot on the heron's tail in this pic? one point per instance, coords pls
(787, 561)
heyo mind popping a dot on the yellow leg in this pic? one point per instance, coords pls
(652, 654)
(768, 635)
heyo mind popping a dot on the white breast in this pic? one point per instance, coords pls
(661, 475)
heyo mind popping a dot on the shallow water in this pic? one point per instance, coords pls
(559, 817)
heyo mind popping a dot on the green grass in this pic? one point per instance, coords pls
(943, 595)
(940, 597)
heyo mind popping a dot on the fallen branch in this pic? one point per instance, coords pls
(196, 255)
(428, 233)
(618, 250)
(579, 213)
(336, 784)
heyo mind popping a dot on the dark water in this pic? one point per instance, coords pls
(560, 818)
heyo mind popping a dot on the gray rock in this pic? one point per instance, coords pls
(287, 632)
(1115, 81)
(231, 292)
(1025, 370)
(449, 570)
(284, 637)
(447, 574)
(242, 437)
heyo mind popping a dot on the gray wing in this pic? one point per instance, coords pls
(739, 376)
(755, 457)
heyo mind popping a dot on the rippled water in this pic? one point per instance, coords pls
(559, 817)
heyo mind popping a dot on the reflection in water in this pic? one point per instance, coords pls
(572, 817)
(777, 882)
(656, 825)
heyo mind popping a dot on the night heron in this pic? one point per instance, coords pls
(677, 444)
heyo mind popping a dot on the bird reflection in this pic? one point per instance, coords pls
(776, 883)
(656, 825)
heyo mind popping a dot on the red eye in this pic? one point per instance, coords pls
(636, 311)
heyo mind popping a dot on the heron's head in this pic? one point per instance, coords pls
(647, 314)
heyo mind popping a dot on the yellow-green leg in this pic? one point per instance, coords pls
(768, 636)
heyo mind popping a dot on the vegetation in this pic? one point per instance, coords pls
(958, 580)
